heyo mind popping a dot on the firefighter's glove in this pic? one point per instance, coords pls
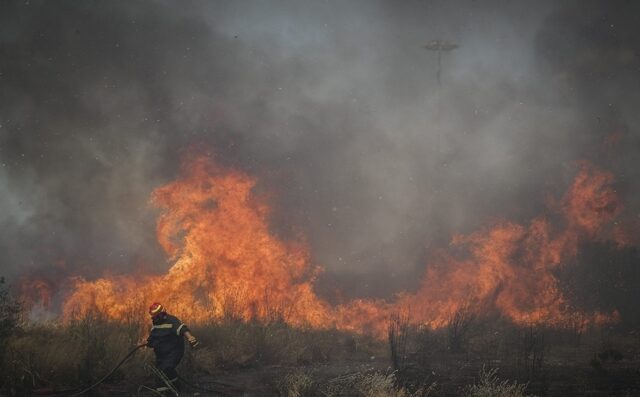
(193, 342)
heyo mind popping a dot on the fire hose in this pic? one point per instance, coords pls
(230, 388)
(127, 357)
(229, 392)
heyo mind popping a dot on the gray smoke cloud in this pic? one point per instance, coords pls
(333, 105)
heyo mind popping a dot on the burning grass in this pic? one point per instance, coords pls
(226, 261)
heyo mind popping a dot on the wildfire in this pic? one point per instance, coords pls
(226, 262)
(509, 267)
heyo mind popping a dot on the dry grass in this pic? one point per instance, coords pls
(489, 385)
(78, 353)
(371, 384)
(236, 344)
(73, 354)
(296, 384)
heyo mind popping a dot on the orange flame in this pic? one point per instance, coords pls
(37, 292)
(227, 263)
(509, 267)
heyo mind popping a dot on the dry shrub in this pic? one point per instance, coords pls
(459, 325)
(430, 345)
(296, 384)
(9, 312)
(73, 354)
(378, 385)
(202, 360)
(231, 341)
(397, 332)
(490, 386)
(83, 350)
(9, 319)
(373, 384)
(234, 344)
(532, 351)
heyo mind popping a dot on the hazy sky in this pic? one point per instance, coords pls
(333, 105)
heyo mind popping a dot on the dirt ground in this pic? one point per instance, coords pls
(241, 359)
(450, 376)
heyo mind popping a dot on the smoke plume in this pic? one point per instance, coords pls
(334, 106)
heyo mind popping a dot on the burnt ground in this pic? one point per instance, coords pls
(620, 379)
(549, 363)
(451, 374)
(560, 366)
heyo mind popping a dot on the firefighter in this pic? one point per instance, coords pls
(167, 341)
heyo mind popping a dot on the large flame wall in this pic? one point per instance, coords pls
(226, 262)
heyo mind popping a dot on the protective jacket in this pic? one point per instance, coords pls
(167, 340)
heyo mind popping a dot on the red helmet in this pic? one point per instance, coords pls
(156, 309)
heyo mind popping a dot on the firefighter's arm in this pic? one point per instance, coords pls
(183, 330)
(191, 339)
(150, 341)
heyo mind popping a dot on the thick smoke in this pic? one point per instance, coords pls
(334, 106)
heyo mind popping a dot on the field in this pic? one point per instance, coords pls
(469, 357)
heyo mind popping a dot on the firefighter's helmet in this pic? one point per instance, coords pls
(156, 309)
